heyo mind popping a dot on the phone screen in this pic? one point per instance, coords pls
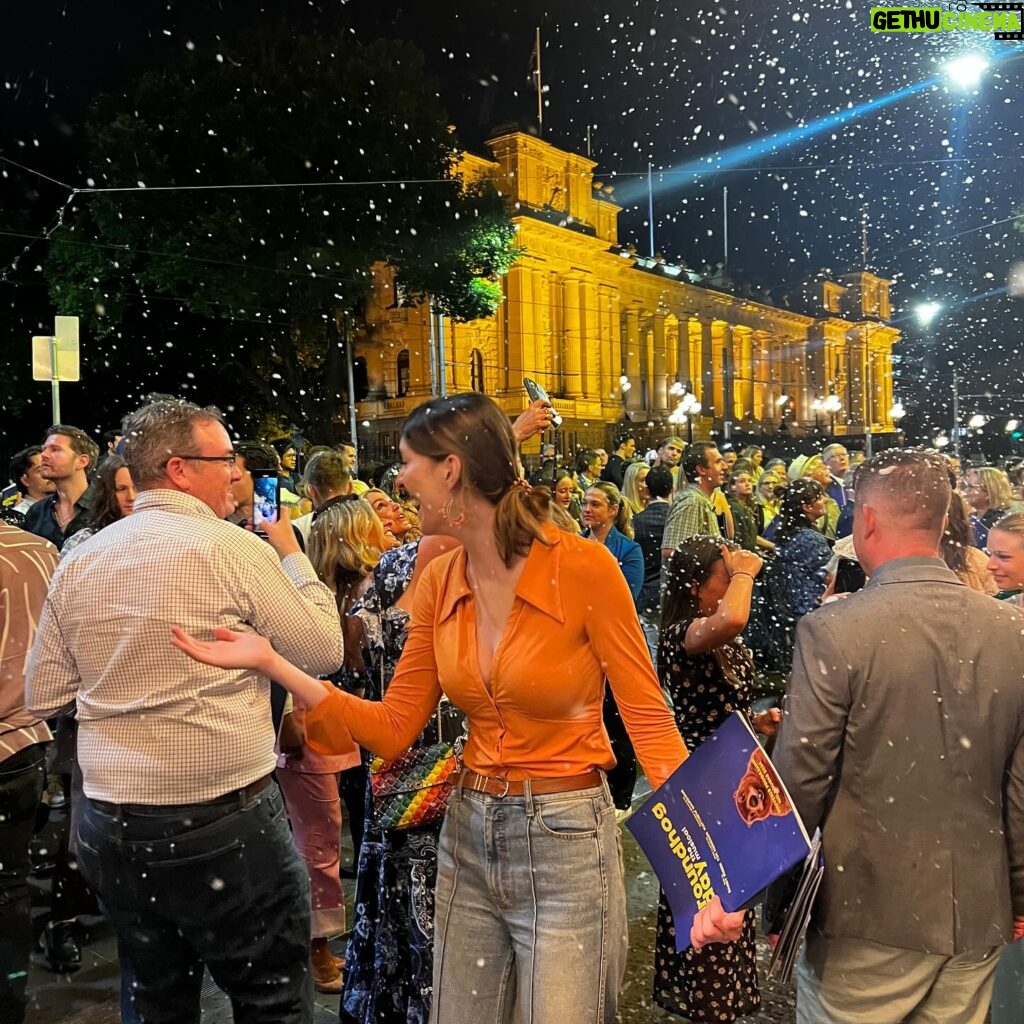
(266, 498)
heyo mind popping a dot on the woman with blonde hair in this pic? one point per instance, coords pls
(489, 620)
(988, 492)
(634, 490)
(346, 541)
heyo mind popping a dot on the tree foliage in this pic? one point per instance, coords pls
(356, 145)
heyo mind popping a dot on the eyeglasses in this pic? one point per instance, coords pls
(228, 459)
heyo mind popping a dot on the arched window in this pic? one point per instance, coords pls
(476, 370)
(403, 373)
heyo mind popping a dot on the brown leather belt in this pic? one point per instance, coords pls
(538, 787)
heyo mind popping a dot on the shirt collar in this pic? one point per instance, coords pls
(537, 586)
(168, 500)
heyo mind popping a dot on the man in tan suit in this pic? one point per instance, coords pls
(903, 740)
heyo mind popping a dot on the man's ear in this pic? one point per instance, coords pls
(869, 517)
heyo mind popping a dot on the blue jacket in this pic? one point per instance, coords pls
(630, 557)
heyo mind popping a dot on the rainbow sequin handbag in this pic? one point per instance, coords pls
(414, 789)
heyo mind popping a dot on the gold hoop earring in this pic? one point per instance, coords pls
(453, 512)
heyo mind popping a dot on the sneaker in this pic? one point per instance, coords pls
(622, 813)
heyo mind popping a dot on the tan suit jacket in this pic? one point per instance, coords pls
(903, 740)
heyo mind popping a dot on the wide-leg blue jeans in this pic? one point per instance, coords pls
(530, 910)
(218, 884)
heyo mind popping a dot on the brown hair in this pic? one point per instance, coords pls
(472, 427)
(912, 484)
(957, 536)
(1011, 523)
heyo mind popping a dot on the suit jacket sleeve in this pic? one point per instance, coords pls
(809, 750)
(1014, 811)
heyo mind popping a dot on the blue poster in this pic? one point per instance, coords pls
(722, 825)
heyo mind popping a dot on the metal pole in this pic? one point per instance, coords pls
(54, 380)
(433, 351)
(727, 385)
(956, 416)
(540, 87)
(650, 204)
(350, 373)
(442, 369)
(725, 230)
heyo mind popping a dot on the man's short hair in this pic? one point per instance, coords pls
(81, 442)
(624, 438)
(677, 441)
(833, 449)
(158, 431)
(21, 462)
(694, 458)
(259, 457)
(659, 482)
(328, 471)
(911, 484)
(585, 459)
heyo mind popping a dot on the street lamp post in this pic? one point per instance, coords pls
(832, 405)
(624, 387)
(686, 409)
(817, 405)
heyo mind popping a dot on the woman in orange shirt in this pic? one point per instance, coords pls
(530, 907)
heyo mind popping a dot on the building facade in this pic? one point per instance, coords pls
(619, 338)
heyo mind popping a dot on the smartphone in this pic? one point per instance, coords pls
(537, 393)
(266, 498)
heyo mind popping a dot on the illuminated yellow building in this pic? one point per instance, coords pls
(614, 336)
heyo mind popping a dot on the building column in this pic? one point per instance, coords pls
(631, 358)
(685, 372)
(746, 373)
(708, 362)
(520, 295)
(572, 338)
(659, 394)
(590, 358)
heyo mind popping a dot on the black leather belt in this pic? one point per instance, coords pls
(233, 797)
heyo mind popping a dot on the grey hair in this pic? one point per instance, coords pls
(159, 430)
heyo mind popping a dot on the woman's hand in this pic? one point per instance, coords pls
(712, 924)
(228, 650)
(767, 723)
(741, 561)
(535, 419)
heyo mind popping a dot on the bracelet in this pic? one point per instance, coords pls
(749, 575)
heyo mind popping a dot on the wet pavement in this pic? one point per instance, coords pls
(90, 996)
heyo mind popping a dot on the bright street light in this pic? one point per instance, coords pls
(897, 412)
(926, 312)
(977, 421)
(941, 441)
(1011, 426)
(965, 72)
(624, 383)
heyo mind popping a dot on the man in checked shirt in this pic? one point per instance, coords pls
(183, 832)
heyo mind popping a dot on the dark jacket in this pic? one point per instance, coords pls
(42, 520)
(630, 558)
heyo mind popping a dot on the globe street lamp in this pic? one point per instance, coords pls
(817, 406)
(832, 405)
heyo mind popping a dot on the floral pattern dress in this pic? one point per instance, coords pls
(719, 982)
(389, 961)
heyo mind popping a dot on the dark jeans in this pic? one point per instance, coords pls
(218, 884)
(22, 776)
(621, 778)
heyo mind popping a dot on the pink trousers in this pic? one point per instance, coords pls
(314, 808)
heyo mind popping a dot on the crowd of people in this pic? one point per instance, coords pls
(221, 687)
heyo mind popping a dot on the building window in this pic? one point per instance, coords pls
(476, 370)
(403, 373)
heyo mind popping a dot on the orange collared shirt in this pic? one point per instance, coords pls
(573, 624)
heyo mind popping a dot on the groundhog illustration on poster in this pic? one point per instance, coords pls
(758, 794)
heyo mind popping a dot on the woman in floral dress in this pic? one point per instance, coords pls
(709, 673)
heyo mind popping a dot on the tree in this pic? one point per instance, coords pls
(264, 181)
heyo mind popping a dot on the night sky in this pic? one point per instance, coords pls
(668, 83)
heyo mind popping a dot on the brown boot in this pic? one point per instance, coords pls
(325, 967)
